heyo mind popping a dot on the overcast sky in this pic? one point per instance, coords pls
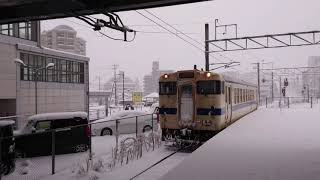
(254, 17)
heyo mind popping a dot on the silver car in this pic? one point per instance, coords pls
(126, 123)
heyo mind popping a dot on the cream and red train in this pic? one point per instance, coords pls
(197, 104)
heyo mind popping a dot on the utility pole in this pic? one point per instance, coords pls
(258, 71)
(114, 67)
(99, 82)
(272, 94)
(215, 29)
(280, 91)
(258, 75)
(207, 46)
(123, 89)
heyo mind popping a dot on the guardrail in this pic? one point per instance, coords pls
(287, 102)
(119, 132)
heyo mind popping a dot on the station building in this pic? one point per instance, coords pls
(61, 88)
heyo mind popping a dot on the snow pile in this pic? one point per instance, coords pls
(6, 122)
(129, 149)
(25, 167)
(58, 115)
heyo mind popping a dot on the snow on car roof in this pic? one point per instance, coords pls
(58, 115)
(6, 122)
(123, 114)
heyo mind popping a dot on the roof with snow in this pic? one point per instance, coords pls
(6, 122)
(58, 115)
(152, 95)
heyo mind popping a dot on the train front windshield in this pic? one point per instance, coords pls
(168, 88)
(210, 87)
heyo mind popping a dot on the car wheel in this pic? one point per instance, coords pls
(106, 131)
(147, 128)
(81, 148)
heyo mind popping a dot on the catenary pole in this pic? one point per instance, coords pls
(207, 46)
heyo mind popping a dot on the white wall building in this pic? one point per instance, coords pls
(151, 81)
(62, 88)
(64, 38)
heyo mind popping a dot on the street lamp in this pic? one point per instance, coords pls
(35, 71)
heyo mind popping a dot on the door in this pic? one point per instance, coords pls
(64, 138)
(228, 102)
(186, 104)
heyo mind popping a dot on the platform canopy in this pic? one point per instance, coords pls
(28, 10)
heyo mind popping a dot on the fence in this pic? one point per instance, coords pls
(96, 113)
(288, 102)
(129, 137)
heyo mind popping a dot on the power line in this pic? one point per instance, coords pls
(173, 27)
(175, 33)
(173, 24)
(169, 31)
(159, 32)
(196, 41)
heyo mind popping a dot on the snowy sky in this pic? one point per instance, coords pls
(254, 17)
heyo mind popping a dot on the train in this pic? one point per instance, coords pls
(194, 105)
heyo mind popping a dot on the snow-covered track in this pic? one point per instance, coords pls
(158, 162)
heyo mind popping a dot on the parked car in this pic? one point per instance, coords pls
(7, 162)
(126, 123)
(72, 134)
(154, 108)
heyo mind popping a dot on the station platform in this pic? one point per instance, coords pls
(268, 144)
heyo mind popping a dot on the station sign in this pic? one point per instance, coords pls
(136, 97)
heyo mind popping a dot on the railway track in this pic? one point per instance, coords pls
(158, 162)
(182, 149)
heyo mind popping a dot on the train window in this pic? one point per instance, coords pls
(210, 87)
(168, 88)
(234, 95)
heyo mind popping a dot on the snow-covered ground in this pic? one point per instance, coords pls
(277, 144)
(267, 144)
(67, 165)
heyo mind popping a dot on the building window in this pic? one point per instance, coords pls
(64, 71)
(6, 29)
(24, 30)
(19, 30)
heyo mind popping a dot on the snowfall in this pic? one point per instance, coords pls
(270, 143)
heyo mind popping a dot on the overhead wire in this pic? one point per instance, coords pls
(101, 33)
(169, 31)
(156, 32)
(196, 41)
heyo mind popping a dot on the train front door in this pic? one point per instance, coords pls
(186, 104)
(228, 103)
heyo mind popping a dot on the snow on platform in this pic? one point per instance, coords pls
(266, 144)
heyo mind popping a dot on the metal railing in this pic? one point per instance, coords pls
(288, 102)
(121, 134)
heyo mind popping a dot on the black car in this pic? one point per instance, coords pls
(70, 129)
(7, 159)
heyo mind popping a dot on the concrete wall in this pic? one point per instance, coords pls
(52, 97)
(7, 71)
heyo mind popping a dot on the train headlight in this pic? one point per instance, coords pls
(166, 76)
(208, 74)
